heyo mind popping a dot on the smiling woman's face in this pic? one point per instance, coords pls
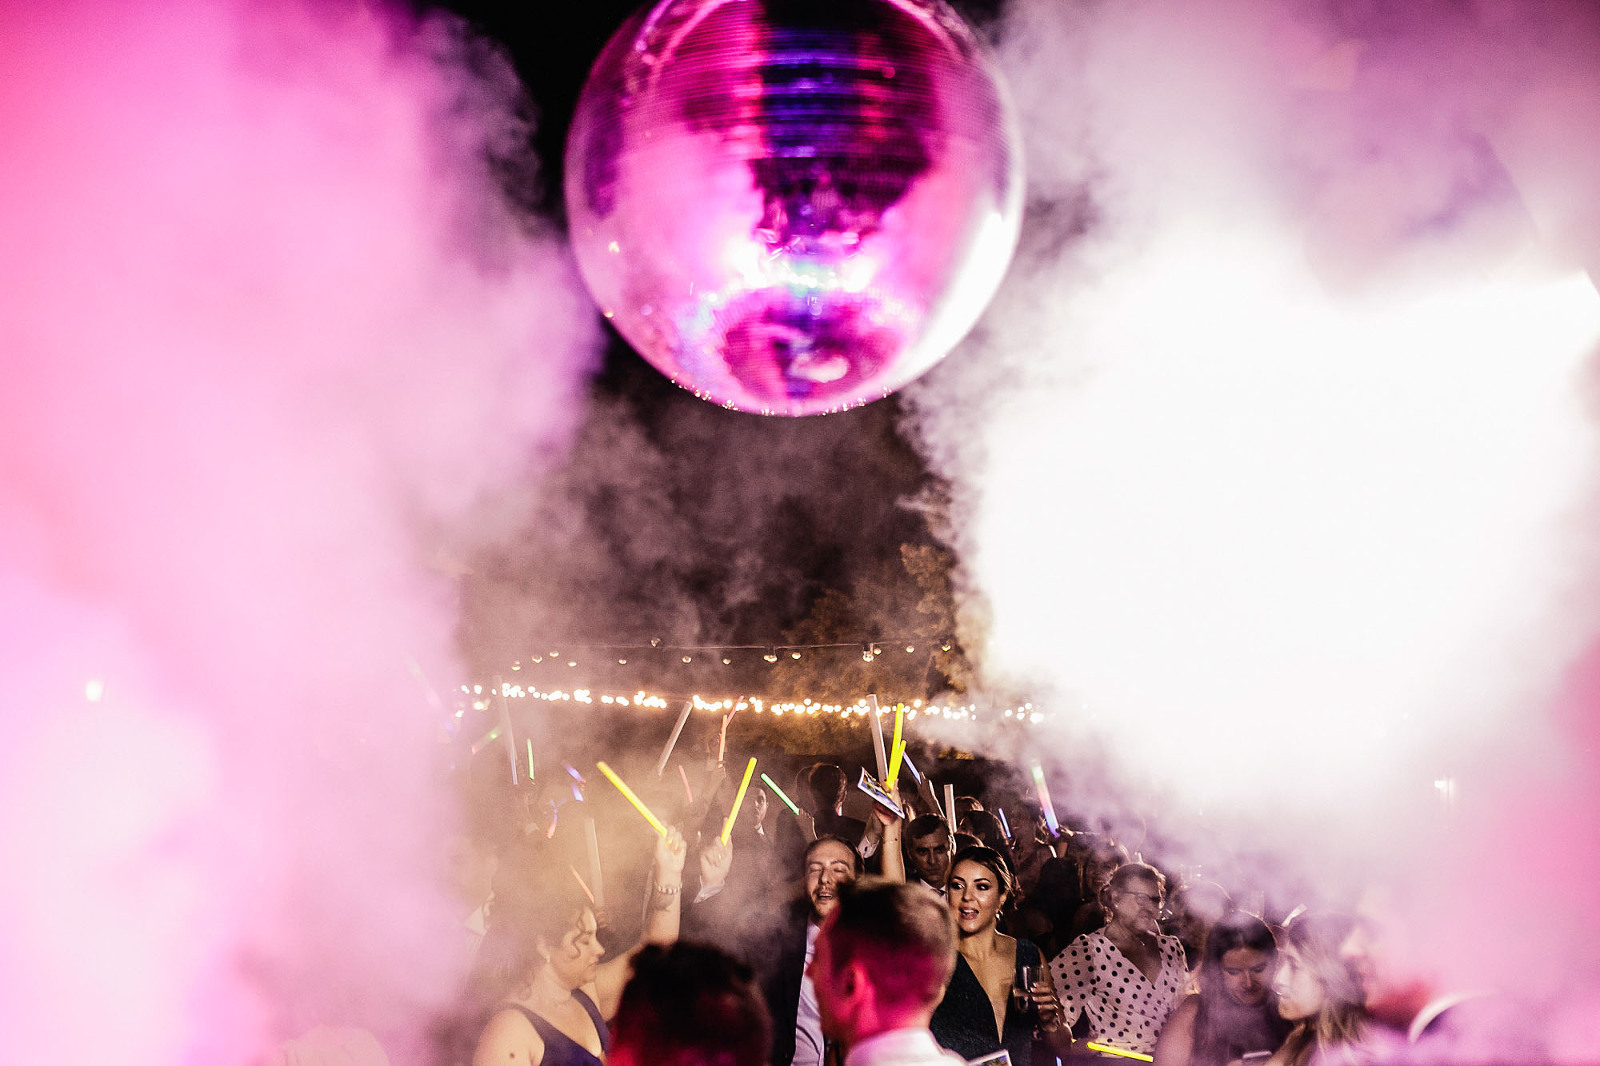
(975, 896)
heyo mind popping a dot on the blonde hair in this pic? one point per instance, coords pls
(1342, 1020)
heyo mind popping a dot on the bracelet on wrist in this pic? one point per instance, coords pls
(669, 890)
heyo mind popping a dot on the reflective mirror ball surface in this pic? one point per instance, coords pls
(792, 207)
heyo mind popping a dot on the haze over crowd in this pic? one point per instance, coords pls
(1271, 470)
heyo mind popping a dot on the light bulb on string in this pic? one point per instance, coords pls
(771, 656)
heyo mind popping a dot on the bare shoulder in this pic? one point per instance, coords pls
(509, 1040)
(1187, 1009)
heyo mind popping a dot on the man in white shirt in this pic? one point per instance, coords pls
(883, 957)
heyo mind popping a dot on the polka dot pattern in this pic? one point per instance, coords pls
(1125, 1008)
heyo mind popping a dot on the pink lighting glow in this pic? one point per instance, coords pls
(268, 334)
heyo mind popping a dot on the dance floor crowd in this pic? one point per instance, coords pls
(797, 935)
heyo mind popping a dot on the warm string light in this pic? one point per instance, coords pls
(1026, 713)
(871, 651)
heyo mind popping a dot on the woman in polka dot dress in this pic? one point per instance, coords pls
(1127, 977)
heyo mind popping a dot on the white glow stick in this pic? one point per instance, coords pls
(950, 809)
(672, 741)
(877, 737)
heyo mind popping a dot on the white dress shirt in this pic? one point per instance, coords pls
(901, 1047)
(807, 1019)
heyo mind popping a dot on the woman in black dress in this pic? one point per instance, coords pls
(978, 1016)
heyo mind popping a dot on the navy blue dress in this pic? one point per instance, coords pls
(559, 1048)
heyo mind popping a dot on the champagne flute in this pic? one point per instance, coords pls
(1022, 992)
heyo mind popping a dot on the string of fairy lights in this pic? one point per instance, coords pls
(871, 650)
(576, 655)
(481, 696)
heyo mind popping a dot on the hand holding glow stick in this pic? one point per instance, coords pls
(672, 741)
(627, 794)
(897, 750)
(738, 800)
(877, 737)
(780, 793)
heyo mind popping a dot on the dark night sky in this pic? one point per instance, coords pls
(672, 518)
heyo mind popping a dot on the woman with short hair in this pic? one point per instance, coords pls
(1127, 977)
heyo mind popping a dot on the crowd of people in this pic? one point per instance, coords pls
(910, 936)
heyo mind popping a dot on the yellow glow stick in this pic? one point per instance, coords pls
(738, 799)
(627, 794)
(896, 749)
(1107, 1049)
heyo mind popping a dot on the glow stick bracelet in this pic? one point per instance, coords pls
(950, 810)
(672, 741)
(877, 738)
(627, 794)
(684, 774)
(1004, 825)
(738, 800)
(599, 896)
(770, 783)
(1044, 799)
(897, 749)
(1107, 1049)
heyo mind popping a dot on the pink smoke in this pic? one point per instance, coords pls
(269, 333)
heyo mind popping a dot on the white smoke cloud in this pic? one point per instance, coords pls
(270, 334)
(1273, 458)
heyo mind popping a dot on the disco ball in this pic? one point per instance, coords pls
(792, 207)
